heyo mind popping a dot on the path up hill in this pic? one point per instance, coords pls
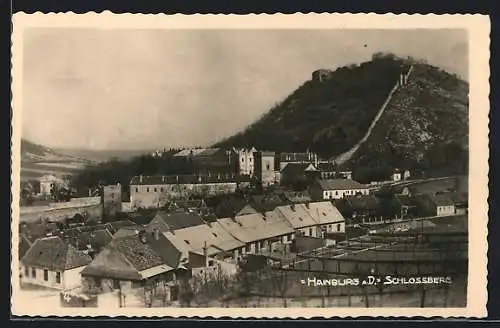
(424, 127)
(327, 114)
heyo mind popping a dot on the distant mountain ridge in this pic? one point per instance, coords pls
(38, 160)
(103, 155)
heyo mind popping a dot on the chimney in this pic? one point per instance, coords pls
(156, 233)
(90, 192)
(140, 178)
(205, 253)
(163, 178)
(177, 178)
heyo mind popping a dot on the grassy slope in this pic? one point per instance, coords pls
(425, 125)
(38, 160)
(327, 117)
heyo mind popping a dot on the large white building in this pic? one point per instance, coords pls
(156, 191)
(337, 189)
(246, 161)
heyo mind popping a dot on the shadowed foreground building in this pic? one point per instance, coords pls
(125, 264)
(52, 262)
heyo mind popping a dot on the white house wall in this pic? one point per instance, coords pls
(69, 278)
(150, 196)
(445, 210)
(338, 194)
(72, 278)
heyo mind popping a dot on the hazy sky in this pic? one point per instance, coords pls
(142, 89)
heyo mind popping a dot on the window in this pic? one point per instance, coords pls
(210, 263)
(112, 195)
(338, 227)
(268, 166)
(242, 159)
(46, 275)
(247, 249)
(310, 231)
(161, 189)
(250, 159)
(116, 284)
(155, 190)
(136, 189)
(26, 271)
(58, 277)
(33, 272)
(336, 193)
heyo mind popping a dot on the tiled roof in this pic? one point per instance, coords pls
(404, 200)
(24, 245)
(126, 258)
(441, 200)
(174, 221)
(462, 184)
(326, 167)
(295, 169)
(255, 227)
(266, 153)
(297, 216)
(117, 225)
(55, 254)
(190, 203)
(96, 239)
(297, 196)
(340, 184)
(197, 237)
(324, 212)
(142, 218)
(363, 202)
(126, 232)
(33, 231)
(264, 203)
(139, 254)
(186, 179)
(230, 207)
(459, 198)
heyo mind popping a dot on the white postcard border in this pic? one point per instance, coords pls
(478, 27)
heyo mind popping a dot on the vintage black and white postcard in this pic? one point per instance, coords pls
(268, 166)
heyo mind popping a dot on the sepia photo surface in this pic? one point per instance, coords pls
(267, 166)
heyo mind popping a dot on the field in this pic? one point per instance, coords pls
(34, 170)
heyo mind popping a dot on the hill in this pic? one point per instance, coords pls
(327, 116)
(331, 113)
(38, 160)
(102, 155)
(424, 127)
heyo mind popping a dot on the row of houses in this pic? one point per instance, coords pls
(157, 191)
(265, 165)
(382, 208)
(176, 243)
